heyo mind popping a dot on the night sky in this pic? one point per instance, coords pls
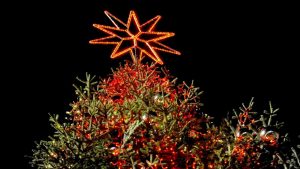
(232, 51)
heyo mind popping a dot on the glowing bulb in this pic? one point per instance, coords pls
(144, 117)
(262, 132)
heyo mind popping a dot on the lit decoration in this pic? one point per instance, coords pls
(134, 38)
(270, 136)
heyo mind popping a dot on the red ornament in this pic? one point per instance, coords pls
(88, 136)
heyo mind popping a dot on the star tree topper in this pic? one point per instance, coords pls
(135, 38)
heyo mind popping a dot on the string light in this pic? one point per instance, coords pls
(134, 38)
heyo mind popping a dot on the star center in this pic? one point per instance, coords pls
(134, 37)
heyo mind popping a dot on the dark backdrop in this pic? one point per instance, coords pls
(233, 51)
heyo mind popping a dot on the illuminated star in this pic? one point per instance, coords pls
(135, 38)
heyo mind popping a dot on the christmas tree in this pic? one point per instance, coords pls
(141, 117)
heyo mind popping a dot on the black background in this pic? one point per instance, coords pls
(233, 51)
